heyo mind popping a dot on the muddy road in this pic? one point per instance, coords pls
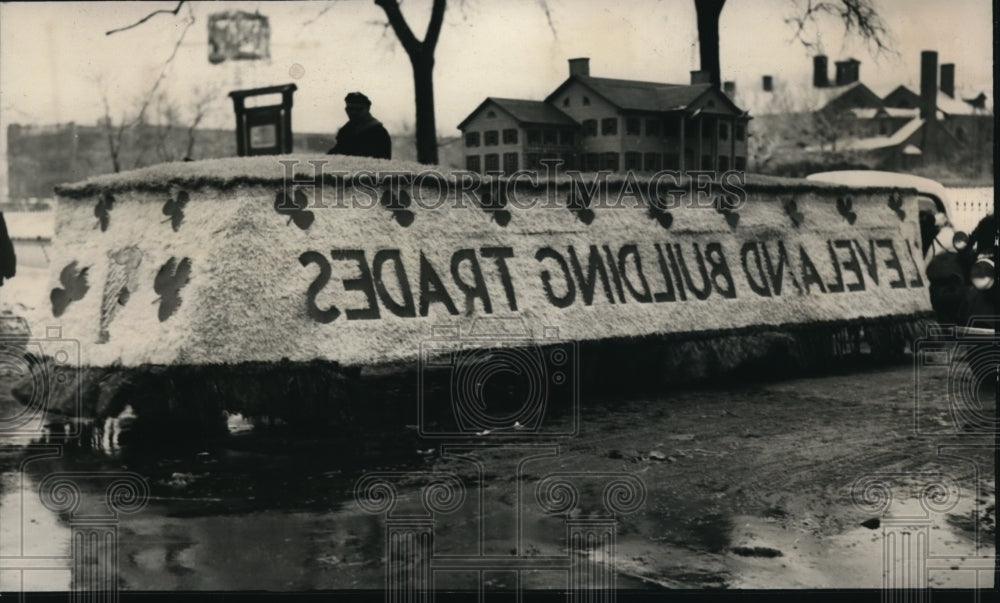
(782, 484)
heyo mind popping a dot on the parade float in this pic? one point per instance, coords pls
(286, 286)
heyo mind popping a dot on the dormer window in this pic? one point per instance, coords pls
(491, 114)
(566, 102)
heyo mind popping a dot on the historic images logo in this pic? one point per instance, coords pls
(495, 192)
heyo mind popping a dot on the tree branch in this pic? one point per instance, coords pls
(325, 10)
(548, 17)
(398, 22)
(163, 72)
(859, 17)
(147, 18)
(434, 26)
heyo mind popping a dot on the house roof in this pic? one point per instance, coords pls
(901, 89)
(794, 99)
(524, 112)
(956, 106)
(870, 112)
(635, 95)
(881, 142)
(819, 98)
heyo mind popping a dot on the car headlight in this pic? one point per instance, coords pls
(960, 241)
(983, 274)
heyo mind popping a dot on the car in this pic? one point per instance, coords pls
(960, 278)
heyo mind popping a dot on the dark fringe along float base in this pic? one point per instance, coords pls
(324, 397)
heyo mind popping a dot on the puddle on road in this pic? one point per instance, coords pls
(209, 527)
(854, 559)
(30, 536)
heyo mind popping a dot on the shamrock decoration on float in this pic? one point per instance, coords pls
(294, 208)
(74, 287)
(170, 279)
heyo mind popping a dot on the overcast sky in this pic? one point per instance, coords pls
(51, 54)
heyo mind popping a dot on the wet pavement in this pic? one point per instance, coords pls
(739, 487)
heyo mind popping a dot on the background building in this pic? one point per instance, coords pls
(593, 123)
(843, 124)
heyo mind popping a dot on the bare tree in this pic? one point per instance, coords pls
(858, 17)
(421, 55)
(708, 12)
(115, 133)
(158, 125)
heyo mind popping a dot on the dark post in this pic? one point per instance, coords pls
(928, 84)
(821, 78)
(948, 79)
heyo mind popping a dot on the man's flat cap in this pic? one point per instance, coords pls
(356, 98)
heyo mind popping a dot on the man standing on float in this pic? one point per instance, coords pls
(362, 135)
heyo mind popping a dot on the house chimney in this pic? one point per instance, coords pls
(729, 88)
(766, 83)
(948, 79)
(579, 66)
(821, 79)
(928, 85)
(847, 71)
(701, 77)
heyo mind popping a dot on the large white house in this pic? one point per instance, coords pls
(593, 123)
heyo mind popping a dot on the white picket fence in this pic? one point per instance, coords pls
(969, 205)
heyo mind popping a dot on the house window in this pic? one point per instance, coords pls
(633, 161)
(472, 139)
(723, 163)
(534, 136)
(671, 161)
(491, 114)
(590, 127)
(510, 136)
(632, 126)
(566, 102)
(551, 136)
(740, 163)
(472, 163)
(706, 162)
(672, 127)
(882, 128)
(691, 128)
(591, 162)
(492, 162)
(569, 161)
(652, 162)
(723, 131)
(609, 161)
(609, 126)
(689, 159)
(491, 138)
(509, 163)
(739, 132)
(532, 161)
(960, 134)
(586, 101)
(652, 127)
(566, 137)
